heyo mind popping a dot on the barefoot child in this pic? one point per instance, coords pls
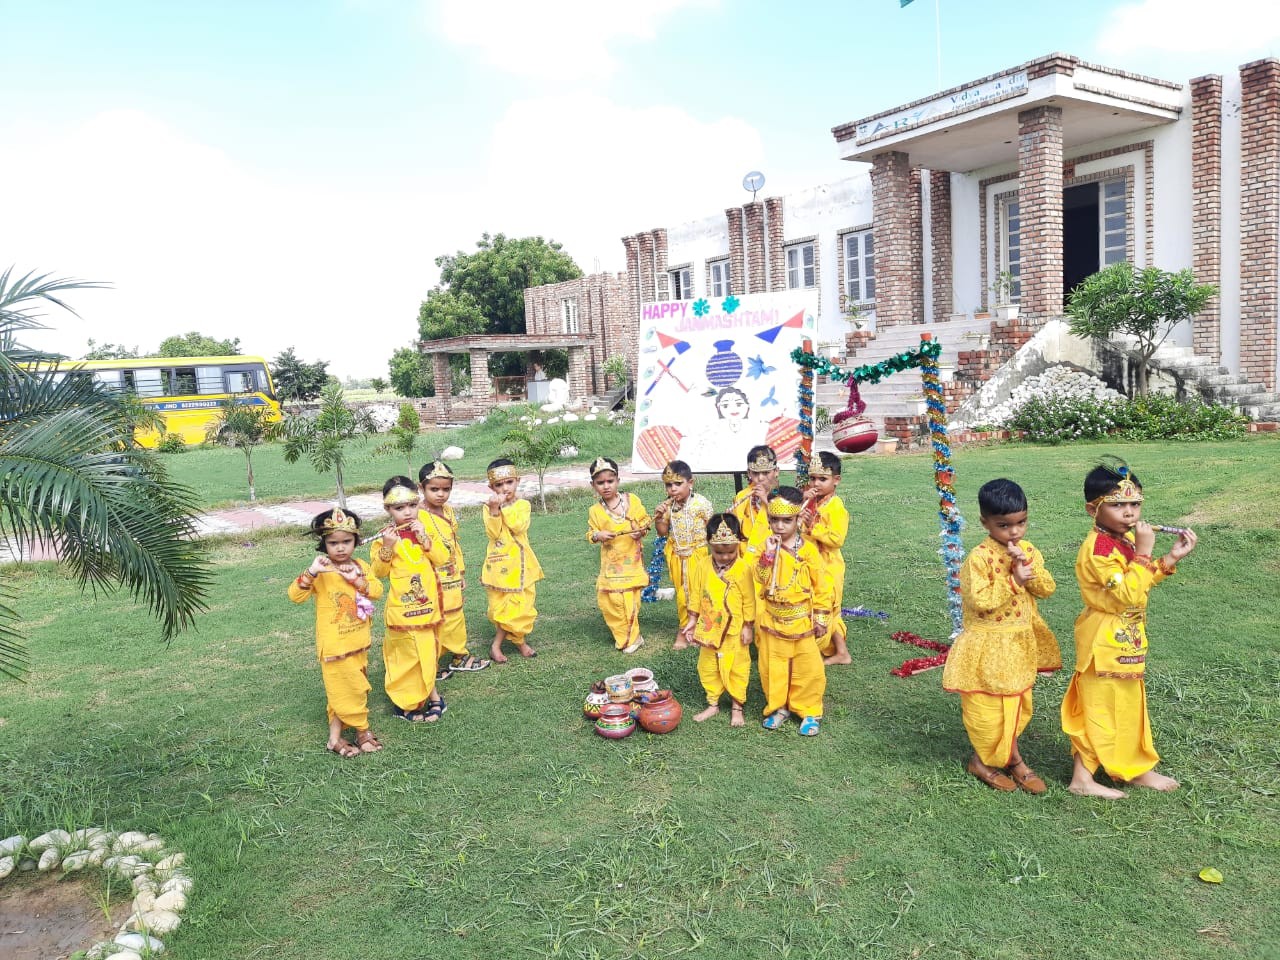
(406, 555)
(511, 571)
(722, 610)
(750, 506)
(1104, 711)
(618, 523)
(792, 615)
(682, 519)
(435, 483)
(1004, 644)
(826, 522)
(342, 588)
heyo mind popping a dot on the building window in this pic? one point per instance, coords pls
(569, 315)
(800, 270)
(1115, 225)
(720, 278)
(859, 267)
(1012, 248)
(682, 284)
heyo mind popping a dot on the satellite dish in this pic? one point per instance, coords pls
(753, 181)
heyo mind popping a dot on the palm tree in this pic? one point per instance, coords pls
(244, 426)
(71, 477)
(323, 438)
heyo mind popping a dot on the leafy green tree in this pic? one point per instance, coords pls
(323, 438)
(403, 437)
(1145, 304)
(243, 426)
(538, 446)
(71, 476)
(377, 384)
(297, 380)
(411, 373)
(109, 351)
(196, 344)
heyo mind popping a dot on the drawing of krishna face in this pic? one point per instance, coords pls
(732, 404)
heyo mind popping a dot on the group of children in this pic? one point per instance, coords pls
(768, 572)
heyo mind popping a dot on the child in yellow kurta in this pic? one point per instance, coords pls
(750, 506)
(791, 615)
(682, 519)
(342, 588)
(722, 610)
(1004, 643)
(1104, 712)
(435, 483)
(618, 523)
(511, 571)
(825, 522)
(408, 556)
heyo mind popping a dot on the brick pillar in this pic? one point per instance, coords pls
(579, 376)
(940, 231)
(630, 307)
(1206, 207)
(916, 237)
(775, 252)
(891, 219)
(481, 385)
(648, 287)
(737, 256)
(756, 279)
(444, 384)
(1260, 218)
(660, 264)
(1040, 207)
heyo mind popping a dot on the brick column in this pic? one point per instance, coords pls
(660, 264)
(940, 231)
(481, 385)
(756, 279)
(775, 252)
(896, 253)
(1260, 218)
(579, 377)
(1040, 207)
(916, 222)
(1206, 207)
(648, 288)
(737, 257)
(443, 384)
(631, 288)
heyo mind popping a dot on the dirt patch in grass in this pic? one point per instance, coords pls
(45, 917)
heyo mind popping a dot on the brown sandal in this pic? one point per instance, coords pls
(344, 749)
(1029, 780)
(367, 742)
(995, 779)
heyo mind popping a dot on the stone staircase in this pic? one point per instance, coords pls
(1203, 377)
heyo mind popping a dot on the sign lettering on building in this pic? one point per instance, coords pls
(965, 98)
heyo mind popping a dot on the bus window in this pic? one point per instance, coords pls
(238, 381)
(182, 381)
(145, 383)
(209, 380)
(107, 378)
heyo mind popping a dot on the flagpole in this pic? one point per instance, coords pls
(937, 34)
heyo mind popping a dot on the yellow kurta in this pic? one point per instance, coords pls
(722, 603)
(342, 643)
(686, 538)
(623, 575)
(1104, 712)
(511, 571)
(1004, 644)
(755, 529)
(792, 592)
(414, 609)
(453, 625)
(829, 530)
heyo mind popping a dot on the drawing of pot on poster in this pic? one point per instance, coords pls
(716, 379)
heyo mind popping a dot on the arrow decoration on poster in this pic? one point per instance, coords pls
(770, 335)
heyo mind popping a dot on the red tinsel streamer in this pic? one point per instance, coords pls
(916, 665)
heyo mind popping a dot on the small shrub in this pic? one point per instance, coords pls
(1058, 419)
(1159, 416)
(172, 443)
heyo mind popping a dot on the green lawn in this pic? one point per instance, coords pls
(510, 831)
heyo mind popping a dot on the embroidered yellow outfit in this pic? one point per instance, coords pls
(623, 575)
(511, 571)
(1104, 712)
(793, 593)
(342, 642)
(754, 522)
(686, 539)
(723, 604)
(453, 627)
(411, 647)
(1004, 644)
(828, 531)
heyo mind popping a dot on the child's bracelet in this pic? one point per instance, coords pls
(386, 554)
(305, 580)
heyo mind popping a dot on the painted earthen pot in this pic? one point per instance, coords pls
(615, 721)
(660, 712)
(597, 698)
(853, 434)
(620, 688)
(642, 681)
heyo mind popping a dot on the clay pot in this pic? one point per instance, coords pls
(620, 689)
(615, 722)
(854, 434)
(660, 712)
(596, 699)
(642, 681)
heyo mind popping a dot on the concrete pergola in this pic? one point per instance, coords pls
(479, 347)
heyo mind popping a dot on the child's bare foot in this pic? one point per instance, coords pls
(707, 714)
(367, 742)
(1083, 785)
(680, 644)
(496, 654)
(526, 650)
(1155, 781)
(837, 658)
(343, 748)
(735, 716)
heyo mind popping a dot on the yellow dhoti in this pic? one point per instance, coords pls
(346, 687)
(621, 612)
(513, 611)
(1107, 723)
(453, 633)
(793, 676)
(994, 722)
(411, 656)
(725, 670)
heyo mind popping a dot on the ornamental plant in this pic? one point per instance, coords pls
(537, 445)
(323, 438)
(243, 426)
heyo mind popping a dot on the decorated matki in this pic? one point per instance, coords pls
(716, 378)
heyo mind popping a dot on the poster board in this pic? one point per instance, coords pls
(716, 378)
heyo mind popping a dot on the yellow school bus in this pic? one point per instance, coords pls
(189, 392)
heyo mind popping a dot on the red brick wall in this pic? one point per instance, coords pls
(776, 252)
(1260, 218)
(1206, 206)
(756, 280)
(940, 232)
(648, 285)
(737, 256)
(1040, 197)
(660, 264)
(898, 268)
(605, 314)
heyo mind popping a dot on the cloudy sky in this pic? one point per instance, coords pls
(287, 171)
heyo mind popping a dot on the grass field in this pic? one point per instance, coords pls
(510, 831)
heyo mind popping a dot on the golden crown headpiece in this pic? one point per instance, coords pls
(339, 522)
(780, 507)
(671, 476)
(439, 471)
(763, 462)
(504, 472)
(1125, 492)
(724, 535)
(600, 464)
(819, 469)
(398, 496)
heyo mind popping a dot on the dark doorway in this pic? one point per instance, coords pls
(1079, 235)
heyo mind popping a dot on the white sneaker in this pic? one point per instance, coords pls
(635, 646)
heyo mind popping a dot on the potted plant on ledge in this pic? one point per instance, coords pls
(1003, 288)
